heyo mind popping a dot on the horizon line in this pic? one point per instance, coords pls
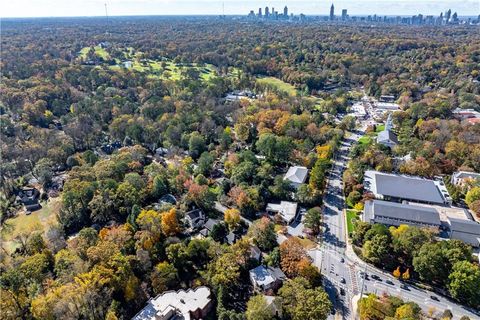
(219, 15)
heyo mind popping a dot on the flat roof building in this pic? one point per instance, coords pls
(467, 231)
(395, 214)
(396, 187)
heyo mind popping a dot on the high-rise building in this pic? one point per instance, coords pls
(259, 12)
(285, 12)
(448, 14)
(332, 12)
(267, 12)
(344, 14)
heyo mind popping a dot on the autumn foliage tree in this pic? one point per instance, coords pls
(291, 255)
(170, 225)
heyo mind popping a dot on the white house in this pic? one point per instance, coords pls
(266, 278)
(188, 305)
(296, 175)
(461, 178)
(286, 209)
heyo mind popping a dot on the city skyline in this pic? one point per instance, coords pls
(60, 8)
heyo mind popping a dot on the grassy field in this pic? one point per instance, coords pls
(99, 51)
(37, 221)
(369, 137)
(351, 215)
(365, 140)
(379, 128)
(164, 69)
(307, 243)
(278, 84)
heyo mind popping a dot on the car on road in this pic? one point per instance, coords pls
(404, 287)
(374, 276)
(342, 260)
(390, 282)
(342, 291)
(434, 298)
(343, 280)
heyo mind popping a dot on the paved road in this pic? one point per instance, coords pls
(341, 268)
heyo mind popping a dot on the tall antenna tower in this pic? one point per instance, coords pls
(106, 15)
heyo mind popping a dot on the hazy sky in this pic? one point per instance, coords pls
(54, 8)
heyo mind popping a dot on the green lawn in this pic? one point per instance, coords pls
(36, 221)
(351, 215)
(365, 140)
(164, 69)
(379, 128)
(278, 84)
(99, 51)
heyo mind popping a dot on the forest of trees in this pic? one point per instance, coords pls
(111, 249)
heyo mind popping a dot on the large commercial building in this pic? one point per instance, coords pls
(395, 214)
(467, 231)
(398, 188)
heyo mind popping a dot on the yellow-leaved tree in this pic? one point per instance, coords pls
(170, 225)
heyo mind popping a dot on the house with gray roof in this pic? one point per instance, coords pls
(395, 214)
(296, 175)
(187, 305)
(266, 278)
(398, 188)
(195, 218)
(467, 231)
(461, 178)
(387, 138)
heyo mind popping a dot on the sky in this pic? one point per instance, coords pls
(68, 8)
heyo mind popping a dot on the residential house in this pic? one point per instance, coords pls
(266, 278)
(208, 226)
(285, 209)
(274, 306)
(195, 218)
(187, 305)
(463, 178)
(395, 214)
(255, 253)
(29, 197)
(296, 175)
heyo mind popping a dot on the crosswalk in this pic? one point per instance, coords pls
(353, 278)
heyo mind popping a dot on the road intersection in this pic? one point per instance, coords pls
(343, 270)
